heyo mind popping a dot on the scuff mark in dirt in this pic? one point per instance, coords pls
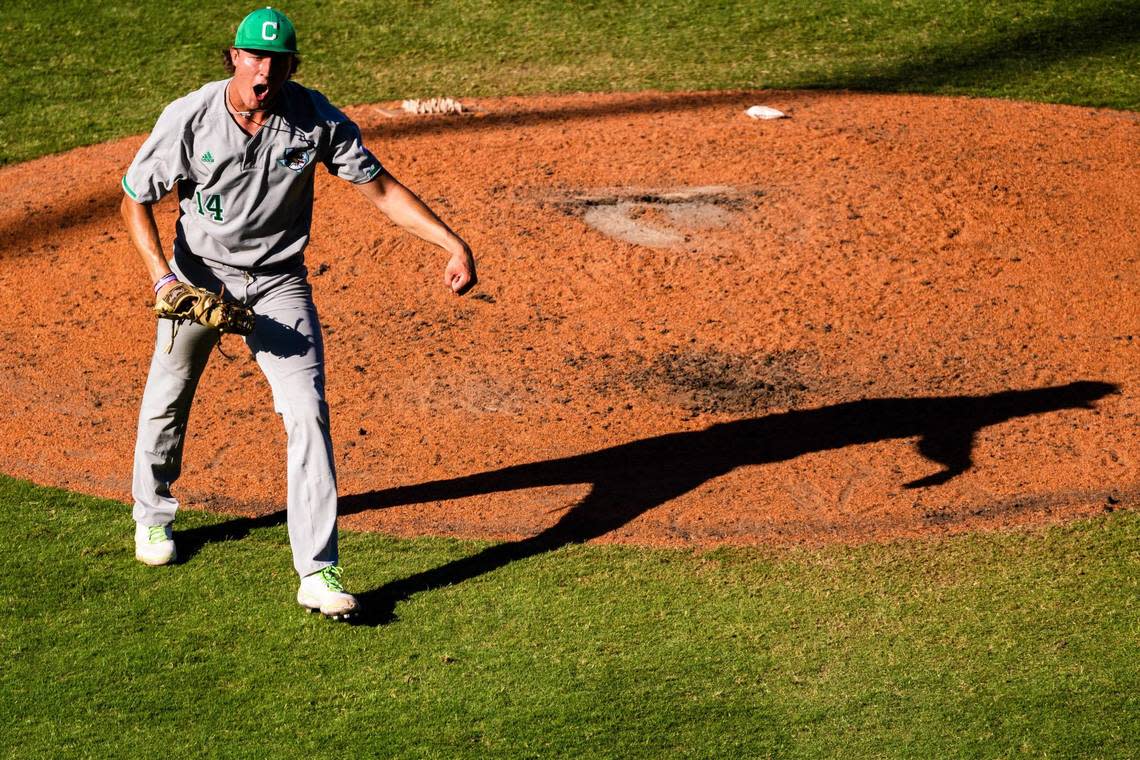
(657, 218)
(711, 381)
(705, 380)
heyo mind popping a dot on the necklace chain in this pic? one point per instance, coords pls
(247, 115)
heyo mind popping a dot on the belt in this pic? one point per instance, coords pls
(279, 267)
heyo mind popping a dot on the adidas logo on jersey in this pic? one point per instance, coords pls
(208, 157)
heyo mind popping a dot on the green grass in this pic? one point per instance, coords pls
(988, 646)
(78, 73)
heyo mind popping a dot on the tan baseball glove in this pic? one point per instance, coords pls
(186, 302)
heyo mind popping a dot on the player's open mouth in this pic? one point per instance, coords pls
(260, 90)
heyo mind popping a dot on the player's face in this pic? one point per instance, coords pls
(258, 75)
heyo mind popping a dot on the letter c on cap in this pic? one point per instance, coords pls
(265, 33)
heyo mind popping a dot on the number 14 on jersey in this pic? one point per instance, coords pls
(210, 205)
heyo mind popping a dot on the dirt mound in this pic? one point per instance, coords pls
(883, 316)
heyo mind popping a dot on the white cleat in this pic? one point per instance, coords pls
(323, 592)
(154, 545)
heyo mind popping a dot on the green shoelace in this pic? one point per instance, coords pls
(331, 576)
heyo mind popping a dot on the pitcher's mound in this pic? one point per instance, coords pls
(882, 316)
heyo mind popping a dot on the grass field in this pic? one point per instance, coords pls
(1020, 644)
(998, 645)
(77, 73)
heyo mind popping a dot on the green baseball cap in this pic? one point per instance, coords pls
(266, 29)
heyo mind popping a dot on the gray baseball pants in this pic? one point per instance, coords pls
(287, 344)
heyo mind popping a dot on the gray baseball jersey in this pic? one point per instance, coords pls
(246, 201)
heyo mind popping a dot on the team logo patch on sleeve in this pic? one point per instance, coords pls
(295, 159)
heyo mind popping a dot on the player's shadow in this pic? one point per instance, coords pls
(190, 541)
(630, 479)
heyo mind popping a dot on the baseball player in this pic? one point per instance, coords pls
(242, 154)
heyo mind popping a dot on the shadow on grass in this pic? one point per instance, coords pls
(630, 479)
(964, 61)
(191, 541)
(982, 59)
